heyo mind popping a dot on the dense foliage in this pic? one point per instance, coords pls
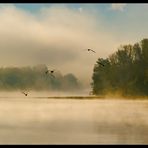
(124, 72)
(35, 78)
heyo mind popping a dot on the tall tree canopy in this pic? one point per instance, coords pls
(125, 71)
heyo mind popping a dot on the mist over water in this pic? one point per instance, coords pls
(27, 120)
(43, 94)
(56, 37)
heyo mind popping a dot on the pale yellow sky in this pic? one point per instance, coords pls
(55, 36)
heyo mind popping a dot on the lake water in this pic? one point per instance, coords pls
(73, 121)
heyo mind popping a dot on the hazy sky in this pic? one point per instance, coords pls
(57, 34)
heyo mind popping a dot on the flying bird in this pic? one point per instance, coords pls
(51, 72)
(90, 50)
(101, 63)
(25, 93)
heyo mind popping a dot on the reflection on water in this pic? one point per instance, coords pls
(61, 121)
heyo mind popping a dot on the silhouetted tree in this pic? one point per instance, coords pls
(125, 71)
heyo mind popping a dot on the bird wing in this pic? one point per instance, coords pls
(101, 64)
(24, 93)
(92, 50)
(52, 75)
(51, 70)
(46, 71)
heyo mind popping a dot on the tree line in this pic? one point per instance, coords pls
(124, 72)
(34, 78)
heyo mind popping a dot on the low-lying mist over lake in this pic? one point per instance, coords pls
(43, 94)
(62, 121)
(73, 73)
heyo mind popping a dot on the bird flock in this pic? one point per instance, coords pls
(51, 72)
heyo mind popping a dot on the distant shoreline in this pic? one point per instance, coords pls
(96, 97)
(82, 97)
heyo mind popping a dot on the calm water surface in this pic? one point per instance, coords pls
(71, 121)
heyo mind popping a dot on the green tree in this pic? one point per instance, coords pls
(124, 71)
